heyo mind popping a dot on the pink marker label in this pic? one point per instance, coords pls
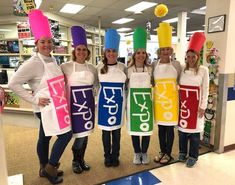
(57, 91)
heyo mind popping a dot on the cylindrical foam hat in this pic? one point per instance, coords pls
(78, 36)
(39, 24)
(140, 38)
(164, 33)
(112, 39)
(196, 42)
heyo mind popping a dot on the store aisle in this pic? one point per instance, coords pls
(212, 168)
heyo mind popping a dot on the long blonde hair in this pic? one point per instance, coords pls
(197, 64)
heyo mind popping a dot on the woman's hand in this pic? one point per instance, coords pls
(43, 102)
(201, 112)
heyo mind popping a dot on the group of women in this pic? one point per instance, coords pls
(63, 97)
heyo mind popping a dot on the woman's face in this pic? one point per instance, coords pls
(140, 56)
(111, 56)
(81, 53)
(191, 59)
(45, 46)
(165, 53)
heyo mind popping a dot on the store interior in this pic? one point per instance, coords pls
(19, 126)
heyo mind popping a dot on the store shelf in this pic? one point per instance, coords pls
(61, 54)
(9, 54)
(18, 110)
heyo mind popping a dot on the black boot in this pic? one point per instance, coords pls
(81, 155)
(50, 172)
(42, 166)
(76, 163)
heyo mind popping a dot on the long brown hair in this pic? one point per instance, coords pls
(104, 69)
(133, 59)
(197, 64)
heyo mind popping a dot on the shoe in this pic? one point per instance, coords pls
(165, 159)
(145, 158)
(77, 167)
(107, 162)
(50, 172)
(158, 157)
(115, 163)
(137, 158)
(84, 166)
(59, 172)
(182, 157)
(191, 162)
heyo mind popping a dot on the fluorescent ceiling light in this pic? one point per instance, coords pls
(173, 20)
(203, 8)
(143, 5)
(38, 3)
(123, 29)
(123, 21)
(201, 11)
(5, 30)
(71, 8)
(192, 32)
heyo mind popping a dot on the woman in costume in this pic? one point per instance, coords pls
(165, 73)
(80, 79)
(139, 102)
(194, 90)
(46, 80)
(111, 98)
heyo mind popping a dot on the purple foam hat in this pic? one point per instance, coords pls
(78, 36)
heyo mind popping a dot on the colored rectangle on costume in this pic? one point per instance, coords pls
(166, 101)
(141, 110)
(56, 87)
(110, 105)
(189, 102)
(82, 106)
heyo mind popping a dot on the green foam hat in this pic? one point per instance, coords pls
(140, 38)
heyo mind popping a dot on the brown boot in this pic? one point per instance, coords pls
(50, 172)
(42, 166)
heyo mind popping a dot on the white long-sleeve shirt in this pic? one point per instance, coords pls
(30, 72)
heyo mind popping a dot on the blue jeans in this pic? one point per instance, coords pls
(194, 141)
(166, 138)
(111, 150)
(57, 149)
(143, 147)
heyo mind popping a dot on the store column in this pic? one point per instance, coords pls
(181, 36)
(220, 29)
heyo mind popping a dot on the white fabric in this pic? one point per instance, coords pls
(137, 80)
(114, 74)
(48, 113)
(202, 80)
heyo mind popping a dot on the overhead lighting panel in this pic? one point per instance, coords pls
(71, 8)
(172, 20)
(139, 7)
(123, 21)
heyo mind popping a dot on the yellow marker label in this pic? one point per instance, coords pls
(166, 101)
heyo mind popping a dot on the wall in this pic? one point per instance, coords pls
(224, 42)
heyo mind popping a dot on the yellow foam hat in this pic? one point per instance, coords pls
(164, 33)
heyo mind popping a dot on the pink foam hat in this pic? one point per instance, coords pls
(39, 24)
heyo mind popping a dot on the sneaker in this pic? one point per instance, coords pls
(137, 158)
(191, 162)
(165, 159)
(158, 157)
(182, 157)
(145, 158)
